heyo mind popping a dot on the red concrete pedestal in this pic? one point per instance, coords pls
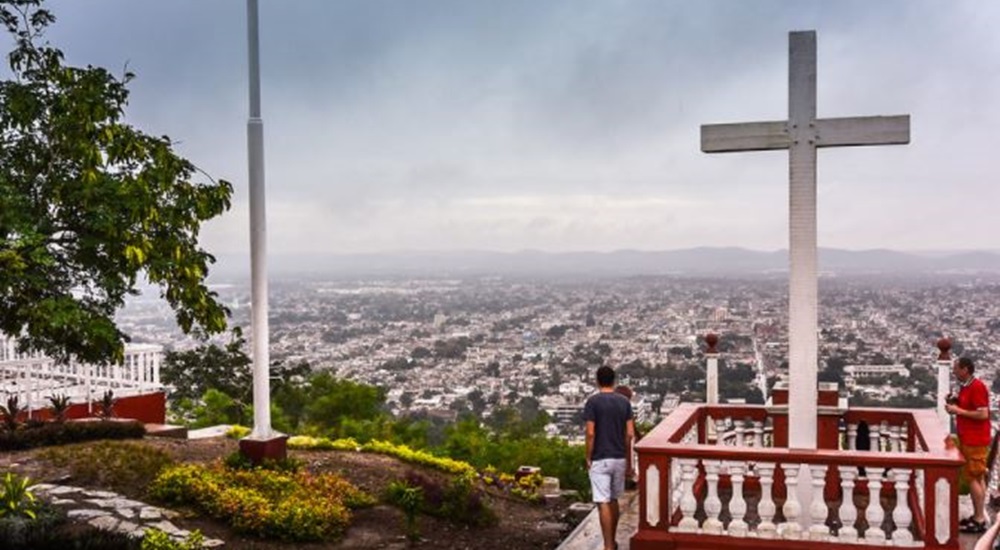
(259, 450)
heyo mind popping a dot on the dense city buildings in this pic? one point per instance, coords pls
(444, 346)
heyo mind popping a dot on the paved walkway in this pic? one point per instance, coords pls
(587, 535)
(113, 512)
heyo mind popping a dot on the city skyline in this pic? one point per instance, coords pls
(559, 127)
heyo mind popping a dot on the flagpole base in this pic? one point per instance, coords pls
(257, 450)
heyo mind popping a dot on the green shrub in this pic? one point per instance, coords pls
(154, 539)
(237, 432)
(457, 500)
(15, 498)
(119, 465)
(410, 500)
(292, 506)
(52, 433)
(307, 443)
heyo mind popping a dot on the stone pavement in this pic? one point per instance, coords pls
(587, 535)
(113, 512)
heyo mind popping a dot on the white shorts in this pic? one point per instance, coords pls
(607, 479)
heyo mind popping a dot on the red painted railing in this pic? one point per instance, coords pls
(907, 483)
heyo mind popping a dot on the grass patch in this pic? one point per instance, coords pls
(121, 466)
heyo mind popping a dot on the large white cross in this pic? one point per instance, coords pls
(801, 134)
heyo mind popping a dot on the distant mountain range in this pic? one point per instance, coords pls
(692, 261)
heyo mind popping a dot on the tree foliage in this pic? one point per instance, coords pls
(88, 204)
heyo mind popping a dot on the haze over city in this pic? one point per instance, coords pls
(560, 126)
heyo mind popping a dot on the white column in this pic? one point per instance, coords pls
(258, 238)
(737, 505)
(852, 437)
(848, 512)
(766, 508)
(713, 505)
(944, 388)
(791, 529)
(901, 515)
(712, 382)
(874, 514)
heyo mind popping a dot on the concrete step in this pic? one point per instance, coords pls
(166, 430)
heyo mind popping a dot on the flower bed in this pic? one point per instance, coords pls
(292, 506)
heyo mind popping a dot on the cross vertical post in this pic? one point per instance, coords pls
(802, 133)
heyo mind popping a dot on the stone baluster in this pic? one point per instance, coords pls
(901, 515)
(817, 508)
(904, 437)
(737, 505)
(848, 512)
(875, 438)
(720, 431)
(740, 430)
(713, 504)
(874, 514)
(894, 445)
(688, 503)
(852, 437)
(766, 508)
(791, 529)
(758, 433)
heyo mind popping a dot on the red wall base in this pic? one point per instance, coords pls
(150, 408)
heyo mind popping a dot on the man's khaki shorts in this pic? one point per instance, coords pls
(975, 461)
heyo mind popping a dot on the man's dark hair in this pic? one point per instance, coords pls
(967, 364)
(605, 376)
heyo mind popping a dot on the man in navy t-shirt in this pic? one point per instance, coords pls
(610, 432)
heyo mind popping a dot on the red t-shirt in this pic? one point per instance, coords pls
(973, 396)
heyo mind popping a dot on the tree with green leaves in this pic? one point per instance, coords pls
(89, 204)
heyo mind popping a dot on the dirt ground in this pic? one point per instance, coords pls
(521, 524)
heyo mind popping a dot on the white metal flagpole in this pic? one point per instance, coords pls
(258, 238)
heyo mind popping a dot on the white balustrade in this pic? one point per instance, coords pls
(766, 508)
(737, 505)
(740, 433)
(676, 487)
(852, 436)
(758, 433)
(874, 514)
(848, 511)
(874, 438)
(688, 503)
(713, 504)
(894, 442)
(901, 515)
(791, 529)
(818, 510)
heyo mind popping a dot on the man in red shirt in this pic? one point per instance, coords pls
(972, 422)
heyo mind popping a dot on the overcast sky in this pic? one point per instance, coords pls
(561, 125)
